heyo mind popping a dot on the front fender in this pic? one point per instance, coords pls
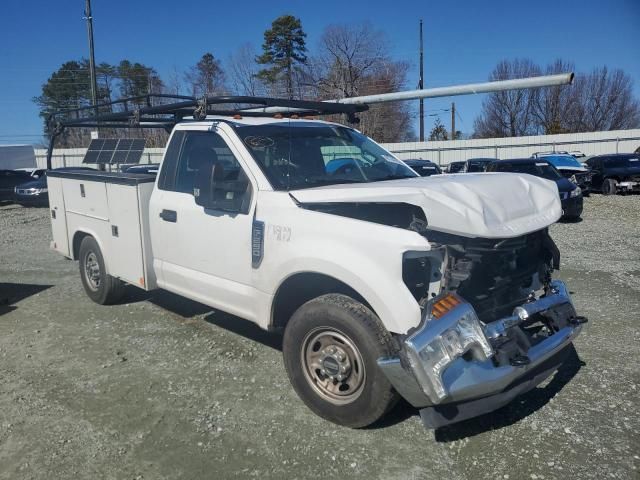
(365, 256)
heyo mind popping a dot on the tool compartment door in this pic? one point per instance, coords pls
(126, 259)
(60, 242)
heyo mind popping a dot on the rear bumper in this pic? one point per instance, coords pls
(476, 386)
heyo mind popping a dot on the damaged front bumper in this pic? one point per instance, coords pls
(454, 367)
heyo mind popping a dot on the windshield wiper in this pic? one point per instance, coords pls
(319, 182)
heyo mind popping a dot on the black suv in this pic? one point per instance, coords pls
(570, 193)
(424, 168)
(476, 165)
(615, 173)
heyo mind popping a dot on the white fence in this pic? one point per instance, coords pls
(591, 143)
(442, 152)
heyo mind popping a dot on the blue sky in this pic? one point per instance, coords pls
(463, 40)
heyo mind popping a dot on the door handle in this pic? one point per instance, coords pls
(169, 216)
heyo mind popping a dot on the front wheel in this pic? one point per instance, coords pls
(330, 349)
(100, 287)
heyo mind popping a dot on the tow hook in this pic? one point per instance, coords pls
(578, 320)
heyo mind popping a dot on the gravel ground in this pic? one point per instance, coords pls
(161, 387)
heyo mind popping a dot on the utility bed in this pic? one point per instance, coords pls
(112, 207)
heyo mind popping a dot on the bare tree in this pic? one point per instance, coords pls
(554, 108)
(602, 100)
(354, 60)
(243, 71)
(348, 54)
(605, 101)
(174, 84)
(508, 113)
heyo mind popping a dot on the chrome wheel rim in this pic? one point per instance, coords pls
(92, 271)
(333, 365)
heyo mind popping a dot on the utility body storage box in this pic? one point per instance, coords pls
(111, 207)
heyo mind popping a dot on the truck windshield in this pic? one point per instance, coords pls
(296, 155)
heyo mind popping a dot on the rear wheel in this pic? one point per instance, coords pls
(610, 186)
(101, 287)
(330, 347)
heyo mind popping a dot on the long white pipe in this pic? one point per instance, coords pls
(497, 86)
(454, 90)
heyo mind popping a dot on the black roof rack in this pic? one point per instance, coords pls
(140, 112)
(165, 110)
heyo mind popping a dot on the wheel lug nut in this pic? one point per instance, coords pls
(343, 368)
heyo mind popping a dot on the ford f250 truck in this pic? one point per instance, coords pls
(385, 284)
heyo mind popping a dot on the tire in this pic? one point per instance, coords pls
(609, 186)
(99, 286)
(338, 334)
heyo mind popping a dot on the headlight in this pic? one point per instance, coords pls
(576, 192)
(450, 329)
(41, 190)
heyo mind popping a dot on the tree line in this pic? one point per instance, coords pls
(597, 101)
(349, 60)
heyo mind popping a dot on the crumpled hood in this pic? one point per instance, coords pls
(485, 205)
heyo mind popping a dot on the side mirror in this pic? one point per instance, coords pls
(212, 190)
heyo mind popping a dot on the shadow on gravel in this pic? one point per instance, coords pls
(11, 293)
(571, 220)
(245, 328)
(518, 409)
(188, 309)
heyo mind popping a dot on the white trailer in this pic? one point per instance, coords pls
(15, 157)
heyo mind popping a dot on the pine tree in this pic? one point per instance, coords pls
(284, 52)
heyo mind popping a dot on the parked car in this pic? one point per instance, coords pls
(8, 181)
(615, 173)
(454, 167)
(34, 172)
(35, 193)
(571, 168)
(475, 165)
(570, 193)
(424, 168)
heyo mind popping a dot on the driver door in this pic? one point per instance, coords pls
(202, 254)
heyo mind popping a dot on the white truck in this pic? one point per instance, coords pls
(386, 284)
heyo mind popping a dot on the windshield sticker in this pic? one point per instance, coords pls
(258, 141)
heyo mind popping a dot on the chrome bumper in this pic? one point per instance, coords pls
(465, 379)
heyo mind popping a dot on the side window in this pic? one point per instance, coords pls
(200, 152)
(167, 174)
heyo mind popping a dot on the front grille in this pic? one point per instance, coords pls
(495, 276)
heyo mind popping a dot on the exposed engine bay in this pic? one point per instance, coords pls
(494, 275)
